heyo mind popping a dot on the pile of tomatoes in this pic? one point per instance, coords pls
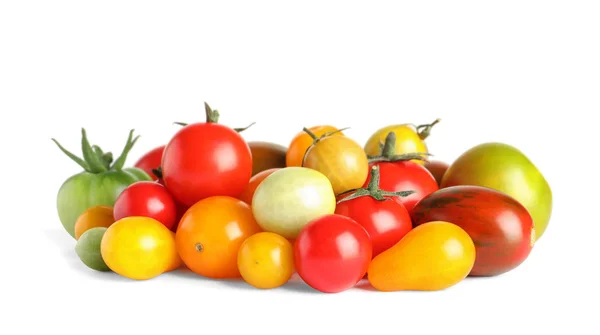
(325, 207)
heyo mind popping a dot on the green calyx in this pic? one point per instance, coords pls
(158, 172)
(388, 152)
(94, 159)
(212, 116)
(372, 190)
(424, 130)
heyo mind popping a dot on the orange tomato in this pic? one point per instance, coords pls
(97, 216)
(433, 256)
(266, 260)
(253, 184)
(210, 234)
(342, 160)
(302, 141)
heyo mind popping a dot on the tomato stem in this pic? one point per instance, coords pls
(74, 157)
(388, 152)
(310, 133)
(120, 162)
(239, 130)
(374, 191)
(212, 116)
(158, 172)
(424, 130)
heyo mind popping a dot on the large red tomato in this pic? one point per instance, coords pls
(150, 161)
(332, 253)
(149, 199)
(206, 159)
(385, 219)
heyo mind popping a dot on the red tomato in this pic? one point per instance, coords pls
(386, 221)
(148, 199)
(406, 176)
(151, 160)
(206, 159)
(332, 253)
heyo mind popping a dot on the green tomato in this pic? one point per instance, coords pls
(100, 183)
(504, 168)
(88, 249)
(291, 197)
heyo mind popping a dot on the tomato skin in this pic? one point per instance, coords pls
(437, 169)
(332, 253)
(405, 176)
(248, 193)
(385, 221)
(204, 160)
(97, 216)
(210, 234)
(151, 160)
(147, 199)
(501, 227)
(301, 142)
(266, 155)
(266, 260)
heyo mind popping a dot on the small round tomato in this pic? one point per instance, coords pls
(206, 159)
(301, 142)
(210, 234)
(437, 169)
(150, 161)
(248, 193)
(97, 216)
(149, 199)
(289, 198)
(386, 219)
(332, 253)
(340, 159)
(138, 248)
(266, 260)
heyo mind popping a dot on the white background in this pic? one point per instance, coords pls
(520, 72)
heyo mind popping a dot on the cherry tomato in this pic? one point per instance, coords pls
(150, 161)
(266, 260)
(206, 159)
(301, 142)
(210, 234)
(437, 169)
(148, 199)
(342, 160)
(332, 253)
(96, 216)
(386, 219)
(253, 184)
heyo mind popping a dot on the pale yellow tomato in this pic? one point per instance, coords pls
(138, 248)
(266, 260)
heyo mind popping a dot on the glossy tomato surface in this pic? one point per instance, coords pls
(150, 161)
(501, 227)
(386, 221)
(405, 176)
(332, 253)
(148, 199)
(206, 159)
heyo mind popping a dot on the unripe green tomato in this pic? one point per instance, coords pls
(291, 197)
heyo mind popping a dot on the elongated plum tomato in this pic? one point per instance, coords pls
(431, 257)
(248, 193)
(210, 234)
(301, 142)
(385, 219)
(340, 159)
(332, 253)
(150, 161)
(266, 260)
(399, 173)
(289, 198)
(500, 226)
(99, 184)
(409, 139)
(149, 199)
(138, 248)
(206, 159)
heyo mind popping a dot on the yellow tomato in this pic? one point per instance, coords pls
(138, 248)
(409, 139)
(301, 142)
(97, 216)
(341, 160)
(433, 256)
(176, 261)
(266, 260)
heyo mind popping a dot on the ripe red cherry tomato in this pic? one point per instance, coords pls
(148, 199)
(206, 159)
(151, 160)
(332, 253)
(381, 213)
